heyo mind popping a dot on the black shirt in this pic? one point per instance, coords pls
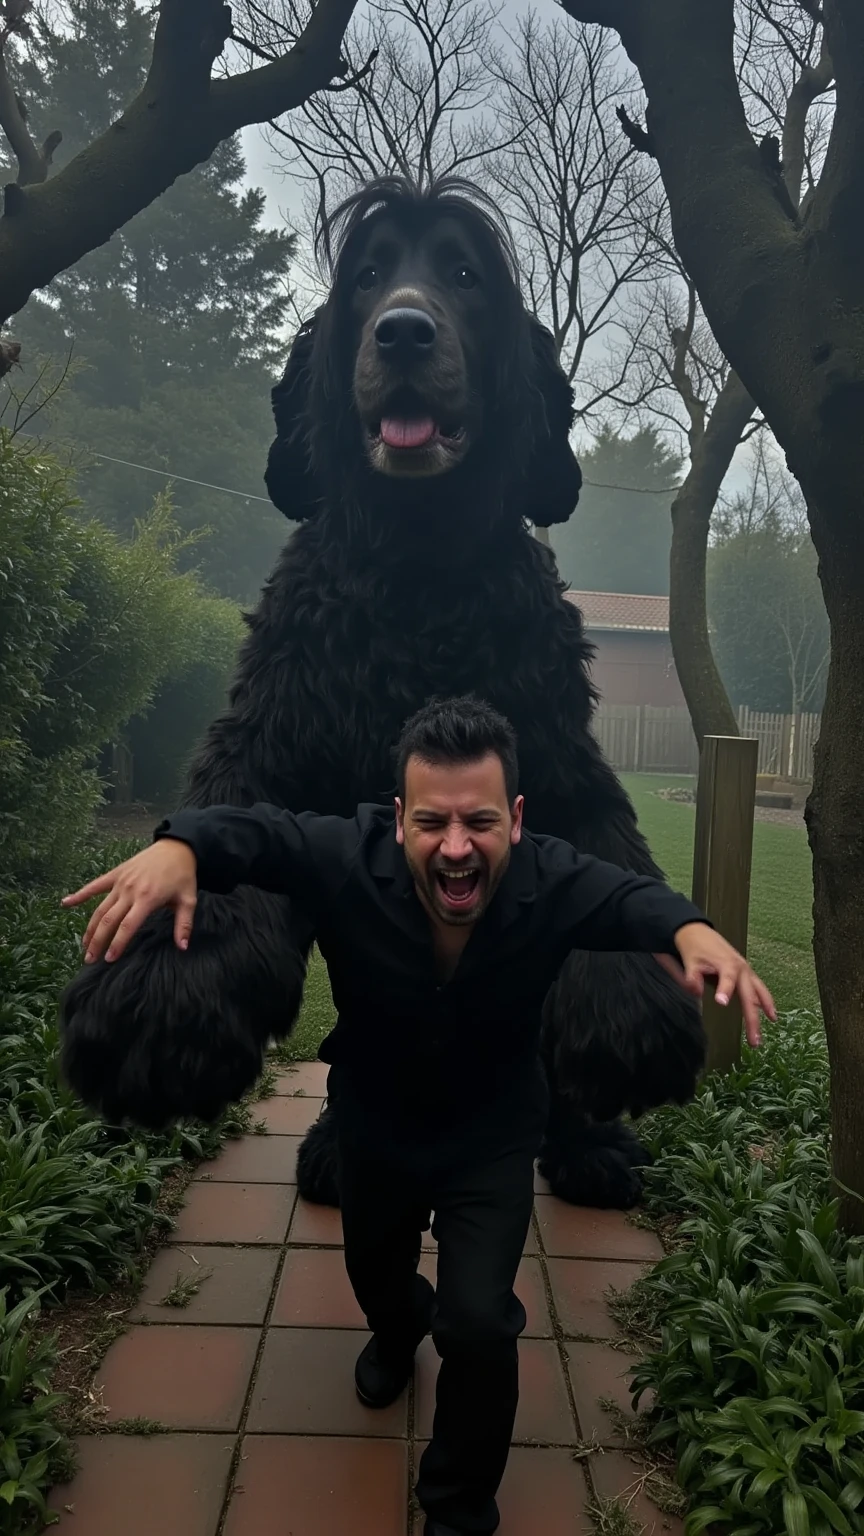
(413, 1057)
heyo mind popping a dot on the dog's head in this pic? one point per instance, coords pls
(423, 369)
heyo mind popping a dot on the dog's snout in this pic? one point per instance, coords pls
(405, 333)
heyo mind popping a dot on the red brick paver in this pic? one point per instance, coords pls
(242, 1348)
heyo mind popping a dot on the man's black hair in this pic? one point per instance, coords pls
(460, 730)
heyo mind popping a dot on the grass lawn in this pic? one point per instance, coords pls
(780, 907)
(781, 898)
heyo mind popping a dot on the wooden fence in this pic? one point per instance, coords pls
(786, 742)
(641, 738)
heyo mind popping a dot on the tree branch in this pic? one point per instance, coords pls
(734, 238)
(707, 701)
(272, 89)
(33, 163)
(838, 203)
(174, 124)
(813, 81)
(632, 131)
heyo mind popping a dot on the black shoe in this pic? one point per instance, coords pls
(435, 1528)
(382, 1373)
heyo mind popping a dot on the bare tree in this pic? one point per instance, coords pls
(785, 71)
(766, 600)
(421, 87)
(784, 294)
(197, 93)
(532, 118)
(573, 189)
(416, 107)
(681, 379)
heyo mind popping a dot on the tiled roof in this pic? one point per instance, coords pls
(622, 610)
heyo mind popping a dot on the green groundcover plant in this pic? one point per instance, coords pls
(77, 1198)
(757, 1315)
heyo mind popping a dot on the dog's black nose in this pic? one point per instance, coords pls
(405, 333)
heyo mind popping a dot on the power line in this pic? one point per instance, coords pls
(187, 479)
(599, 485)
(635, 490)
(227, 490)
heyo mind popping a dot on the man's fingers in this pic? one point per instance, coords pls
(694, 980)
(691, 982)
(93, 888)
(183, 920)
(128, 928)
(727, 984)
(750, 1008)
(102, 929)
(766, 1001)
(97, 918)
(730, 981)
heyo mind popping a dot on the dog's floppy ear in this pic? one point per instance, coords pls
(554, 476)
(289, 476)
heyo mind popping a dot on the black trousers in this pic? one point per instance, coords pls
(481, 1217)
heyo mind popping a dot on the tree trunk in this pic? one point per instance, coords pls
(835, 822)
(785, 301)
(711, 713)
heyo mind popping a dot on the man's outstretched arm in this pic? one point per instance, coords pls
(603, 907)
(305, 857)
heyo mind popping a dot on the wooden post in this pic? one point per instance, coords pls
(640, 730)
(722, 860)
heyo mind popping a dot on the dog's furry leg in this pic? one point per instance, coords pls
(318, 1164)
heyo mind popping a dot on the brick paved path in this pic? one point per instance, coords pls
(246, 1395)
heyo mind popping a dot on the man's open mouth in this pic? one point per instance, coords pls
(459, 887)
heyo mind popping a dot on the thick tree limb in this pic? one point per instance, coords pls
(33, 163)
(786, 303)
(270, 90)
(770, 154)
(812, 82)
(745, 255)
(838, 203)
(173, 125)
(707, 701)
(10, 352)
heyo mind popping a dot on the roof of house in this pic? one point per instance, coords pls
(622, 610)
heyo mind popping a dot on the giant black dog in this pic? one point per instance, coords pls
(421, 422)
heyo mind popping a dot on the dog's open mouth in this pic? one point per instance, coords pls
(408, 432)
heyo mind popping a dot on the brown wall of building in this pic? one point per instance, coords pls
(635, 668)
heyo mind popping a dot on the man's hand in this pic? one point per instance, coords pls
(705, 954)
(160, 876)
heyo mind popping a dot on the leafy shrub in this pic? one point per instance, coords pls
(193, 694)
(89, 626)
(759, 1373)
(77, 1198)
(29, 1440)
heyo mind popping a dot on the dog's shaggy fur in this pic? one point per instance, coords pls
(411, 573)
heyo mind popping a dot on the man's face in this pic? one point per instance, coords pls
(457, 828)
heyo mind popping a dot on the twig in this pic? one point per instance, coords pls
(640, 138)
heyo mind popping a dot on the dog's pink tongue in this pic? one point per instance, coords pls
(416, 433)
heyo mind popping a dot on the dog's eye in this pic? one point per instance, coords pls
(464, 277)
(368, 278)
